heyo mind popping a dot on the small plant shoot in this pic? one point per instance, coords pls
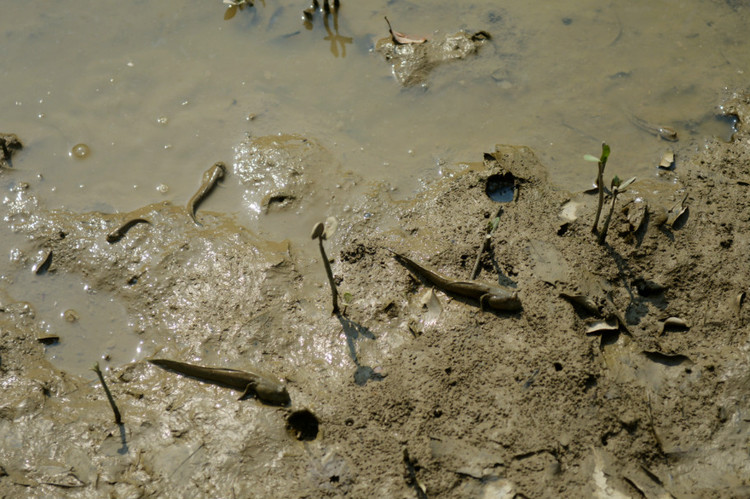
(602, 162)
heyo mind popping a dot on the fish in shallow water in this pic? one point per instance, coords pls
(210, 177)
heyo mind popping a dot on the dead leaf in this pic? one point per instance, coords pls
(667, 160)
(402, 39)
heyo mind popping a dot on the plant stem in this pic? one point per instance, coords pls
(329, 273)
(600, 185)
(118, 419)
(603, 233)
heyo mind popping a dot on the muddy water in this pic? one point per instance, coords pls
(160, 91)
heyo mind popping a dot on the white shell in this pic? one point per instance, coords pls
(674, 323)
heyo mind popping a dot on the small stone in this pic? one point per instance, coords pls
(70, 315)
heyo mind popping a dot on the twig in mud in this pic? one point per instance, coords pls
(118, 418)
(653, 426)
(318, 233)
(485, 246)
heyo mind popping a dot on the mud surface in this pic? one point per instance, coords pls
(638, 388)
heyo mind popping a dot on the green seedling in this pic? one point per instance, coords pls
(617, 187)
(602, 162)
(319, 232)
(118, 418)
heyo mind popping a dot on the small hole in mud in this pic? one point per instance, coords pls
(334, 479)
(132, 281)
(303, 425)
(563, 229)
(349, 422)
(558, 366)
(501, 188)
(589, 383)
(62, 235)
(448, 370)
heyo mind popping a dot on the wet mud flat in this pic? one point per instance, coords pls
(625, 373)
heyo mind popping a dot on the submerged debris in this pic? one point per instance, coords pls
(413, 60)
(402, 39)
(667, 160)
(9, 145)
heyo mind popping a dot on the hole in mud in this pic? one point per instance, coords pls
(334, 479)
(280, 199)
(667, 360)
(589, 383)
(501, 188)
(648, 288)
(558, 366)
(609, 338)
(303, 424)
(563, 229)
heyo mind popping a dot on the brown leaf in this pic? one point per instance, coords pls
(402, 39)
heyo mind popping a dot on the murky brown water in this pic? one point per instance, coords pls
(160, 91)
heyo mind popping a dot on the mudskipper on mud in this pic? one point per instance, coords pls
(265, 389)
(494, 296)
(210, 178)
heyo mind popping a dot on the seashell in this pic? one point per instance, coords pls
(330, 227)
(317, 231)
(600, 327)
(48, 339)
(674, 324)
(43, 262)
(738, 300)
